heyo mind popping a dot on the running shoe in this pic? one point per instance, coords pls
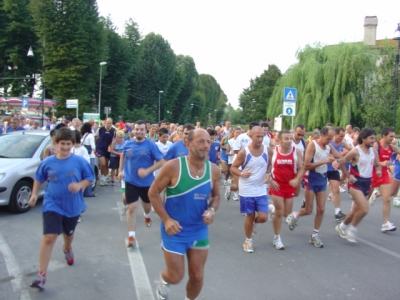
(235, 196)
(330, 197)
(162, 289)
(373, 197)
(112, 182)
(342, 190)
(39, 282)
(248, 246)
(102, 182)
(69, 256)
(292, 221)
(131, 242)
(147, 221)
(316, 241)
(303, 203)
(342, 232)
(340, 216)
(388, 227)
(80, 219)
(227, 194)
(278, 244)
(351, 235)
(396, 201)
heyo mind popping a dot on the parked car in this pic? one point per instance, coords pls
(20, 154)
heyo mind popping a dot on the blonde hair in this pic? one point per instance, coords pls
(120, 134)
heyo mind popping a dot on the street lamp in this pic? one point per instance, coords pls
(159, 104)
(396, 73)
(31, 54)
(103, 63)
(191, 108)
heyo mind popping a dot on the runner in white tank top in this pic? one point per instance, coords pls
(363, 158)
(253, 165)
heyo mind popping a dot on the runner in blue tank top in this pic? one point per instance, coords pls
(186, 213)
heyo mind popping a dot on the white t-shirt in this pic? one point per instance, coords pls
(88, 139)
(266, 140)
(230, 157)
(299, 146)
(242, 141)
(163, 149)
(81, 151)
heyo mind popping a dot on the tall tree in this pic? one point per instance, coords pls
(254, 99)
(75, 43)
(16, 36)
(154, 72)
(329, 81)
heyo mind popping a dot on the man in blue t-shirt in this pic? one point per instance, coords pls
(67, 175)
(213, 154)
(136, 168)
(14, 125)
(179, 148)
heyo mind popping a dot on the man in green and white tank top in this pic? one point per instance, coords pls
(186, 213)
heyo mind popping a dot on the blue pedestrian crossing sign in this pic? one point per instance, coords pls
(289, 95)
(289, 101)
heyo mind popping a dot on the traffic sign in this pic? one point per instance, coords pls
(72, 103)
(24, 103)
(289, 109)
(289, 94)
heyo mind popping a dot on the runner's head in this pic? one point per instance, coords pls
(367, 137)
(198, 142)
(257, 136)
(265, 127)
(187, 128)
(299, 133)
(252, 124)
(163, 135)
(285, 139)
(339, 135)
(108, 123)
(327, 134)
(237, 132)
(388, 134)
(140, 130)
(213, 134)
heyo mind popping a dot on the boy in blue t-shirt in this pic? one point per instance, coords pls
(67, 175)
(213, 154)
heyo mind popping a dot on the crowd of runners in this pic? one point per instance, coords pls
(176, 171)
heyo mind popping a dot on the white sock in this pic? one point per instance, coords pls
(337, 210)
(146, 215)
(249, 240)
(343, 226)
(353, 228)
(132, 233)
(277, 237)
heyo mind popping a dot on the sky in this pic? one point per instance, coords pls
(235, 41)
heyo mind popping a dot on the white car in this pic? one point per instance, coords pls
(20, 154)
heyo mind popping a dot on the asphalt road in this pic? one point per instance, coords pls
(105, 269)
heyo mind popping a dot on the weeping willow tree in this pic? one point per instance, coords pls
(330, 81)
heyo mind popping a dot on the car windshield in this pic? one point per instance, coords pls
(19, 145)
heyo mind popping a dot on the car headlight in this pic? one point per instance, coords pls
(2, 175)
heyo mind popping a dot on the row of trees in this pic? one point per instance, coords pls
(75, 40)
(349, 83)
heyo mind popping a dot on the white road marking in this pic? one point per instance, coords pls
(13, 270)
(120, 206)
(139, 274)
(387, 251)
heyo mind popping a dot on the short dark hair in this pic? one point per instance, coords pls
(253, 124)
(366, 132)
(212, 132)
(329, 125)
(86, 128)
(53, 132)
(264, 124)
(140, 122)
(356, 129)
(386, 130)
(301, 126)
(65, 134)
(78, 136)
(338, 130)
(282, 132)
(325, 130)
(188, 126)
(162, 131)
